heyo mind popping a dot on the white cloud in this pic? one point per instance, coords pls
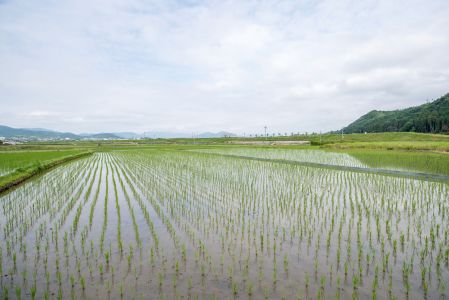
(217, 65)
(40, 114)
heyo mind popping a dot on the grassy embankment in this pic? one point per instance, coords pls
(18, 166)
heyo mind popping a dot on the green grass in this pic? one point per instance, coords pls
(434, 163)
(16, 166)
(437, 146)
(387, 140)
(17, 160)
(381, 137)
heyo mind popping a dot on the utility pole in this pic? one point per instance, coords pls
(266, 137)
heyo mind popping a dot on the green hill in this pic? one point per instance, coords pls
(431, 117)
(10, 132)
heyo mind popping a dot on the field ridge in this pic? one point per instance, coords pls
(16, 179)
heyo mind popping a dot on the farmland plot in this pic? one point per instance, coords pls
(301, 155)
(11, 161)
(169, 224)
(429, 163)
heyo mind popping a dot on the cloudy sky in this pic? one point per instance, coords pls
(193, 66)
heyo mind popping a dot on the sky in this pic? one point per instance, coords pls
(195, 66)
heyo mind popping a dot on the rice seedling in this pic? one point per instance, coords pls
(33, 291)
(18, 292)
(250, 289)
(83, 283)
(235, 288)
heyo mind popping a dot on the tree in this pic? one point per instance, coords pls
(430, 117)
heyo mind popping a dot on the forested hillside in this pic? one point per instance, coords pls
(431, 117)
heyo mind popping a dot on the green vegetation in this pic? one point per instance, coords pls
(413, 161)
(11, 161)
(315, 138)
(430, 118)
(380, 137)
(17, 166)
(395, 145)
(166, 222)
(19, 162)
(392, 140)
(386, 140)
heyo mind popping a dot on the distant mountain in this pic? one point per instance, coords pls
(40, 133)
(9, 132)
(40, 129)
(170, 135)
(431, 117)
(151, 135)
(216, 135)
(104, 135)
(127, 135)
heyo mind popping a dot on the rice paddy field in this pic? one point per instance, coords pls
(406, 161)
(205, 224)
(13, 161)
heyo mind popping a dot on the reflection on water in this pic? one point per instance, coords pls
(432, 163)
(174, 224)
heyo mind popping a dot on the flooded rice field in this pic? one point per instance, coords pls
(183, 225)
(302, 155)
(415, 162)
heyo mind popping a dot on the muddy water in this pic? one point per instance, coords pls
(170, 225)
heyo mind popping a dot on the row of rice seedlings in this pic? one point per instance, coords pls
(69, 262)
(38, 237)
(119, 222)
(23, 229)
(360, 253)
(133, 217)
(301, 155)
(105, 210)
(24, 214)
(175, 262)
